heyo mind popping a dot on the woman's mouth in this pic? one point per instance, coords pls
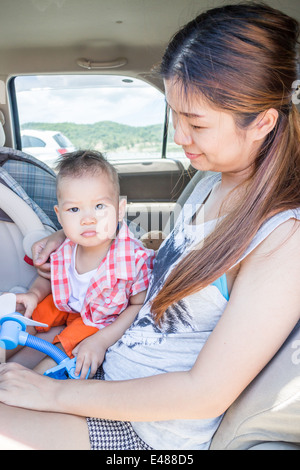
(193, 156)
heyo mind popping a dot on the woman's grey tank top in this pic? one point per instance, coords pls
(147, 349)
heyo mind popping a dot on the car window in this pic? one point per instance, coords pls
(62, 141)
(119, 116)
(173, 150)
(30, 141)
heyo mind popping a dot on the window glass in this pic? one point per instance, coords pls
(25, 141)
(173, 150)
(62, 141)
(119, 116)
(30, 141)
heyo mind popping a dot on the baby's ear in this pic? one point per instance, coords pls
(122, 208)
(57, 213)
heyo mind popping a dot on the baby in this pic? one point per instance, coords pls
(100, 274)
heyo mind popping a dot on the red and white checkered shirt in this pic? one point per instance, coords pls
(124, 272)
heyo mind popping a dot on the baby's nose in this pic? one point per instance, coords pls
(88, 218)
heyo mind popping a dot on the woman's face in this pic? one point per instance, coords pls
(209, 136)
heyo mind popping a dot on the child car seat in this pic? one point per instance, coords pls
(27, 197)
(36, 178)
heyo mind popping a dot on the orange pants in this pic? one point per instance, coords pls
(75, 331)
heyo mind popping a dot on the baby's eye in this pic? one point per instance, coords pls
(73, 209)
(100, 206)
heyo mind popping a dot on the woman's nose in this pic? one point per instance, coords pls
(182, 135)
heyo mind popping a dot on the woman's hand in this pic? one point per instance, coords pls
(24, 388)
(42, 250)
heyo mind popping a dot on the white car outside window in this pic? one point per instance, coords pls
(45, 145)
(121, 116)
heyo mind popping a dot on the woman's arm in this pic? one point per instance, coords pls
(42, 249)
(263, 309)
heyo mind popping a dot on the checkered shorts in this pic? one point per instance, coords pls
(113, 435)
(106, 434)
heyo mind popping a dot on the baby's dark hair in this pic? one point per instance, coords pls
(82, 162)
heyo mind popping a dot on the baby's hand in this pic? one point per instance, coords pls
(29, 301)
(90, 354)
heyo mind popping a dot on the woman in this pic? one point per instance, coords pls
(224, 292)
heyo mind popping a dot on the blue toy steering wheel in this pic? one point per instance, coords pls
(13, 333)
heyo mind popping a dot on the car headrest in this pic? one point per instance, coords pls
(2, 134)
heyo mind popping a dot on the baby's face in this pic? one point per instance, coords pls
(88, 208)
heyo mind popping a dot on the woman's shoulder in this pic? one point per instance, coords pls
(275, 261)
(286, 231)
(275, 231)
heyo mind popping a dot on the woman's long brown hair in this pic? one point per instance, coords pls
(242, 58)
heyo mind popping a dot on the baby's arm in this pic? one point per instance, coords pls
(113, 332)
(91, 351)
(40, 288)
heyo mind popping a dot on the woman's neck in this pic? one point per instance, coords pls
(223, 196)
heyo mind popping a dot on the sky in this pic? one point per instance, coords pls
(88, 99)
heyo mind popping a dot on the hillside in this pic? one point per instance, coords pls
(105, 135)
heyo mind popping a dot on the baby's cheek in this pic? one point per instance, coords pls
(106, 228)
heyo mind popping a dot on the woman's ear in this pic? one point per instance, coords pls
(265, 123)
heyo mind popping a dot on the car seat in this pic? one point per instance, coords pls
(266, 416)
(22, 220)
